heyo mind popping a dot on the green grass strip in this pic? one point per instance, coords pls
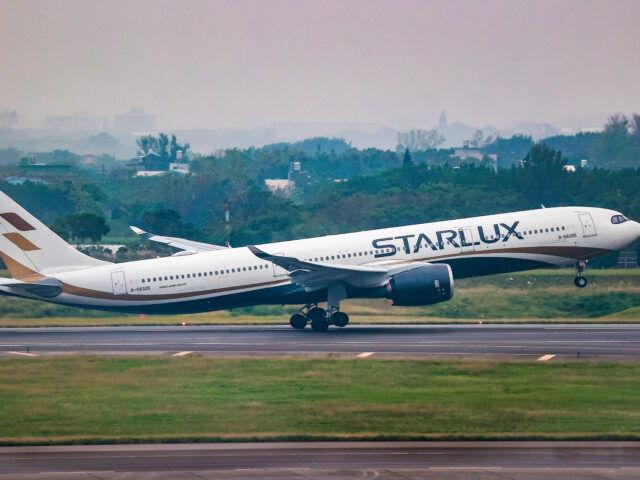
(193, 398)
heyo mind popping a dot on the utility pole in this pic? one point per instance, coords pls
(228, 226)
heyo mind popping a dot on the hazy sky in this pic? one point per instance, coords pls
(247, 63)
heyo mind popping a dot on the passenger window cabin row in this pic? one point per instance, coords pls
(204, 274)
(535, 231)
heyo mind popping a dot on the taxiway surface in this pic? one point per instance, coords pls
(544, 342)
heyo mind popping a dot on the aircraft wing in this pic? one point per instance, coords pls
(181, 243)
(313, 276)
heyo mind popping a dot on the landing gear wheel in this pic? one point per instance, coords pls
(318, 317)
(340, 319)
(298, 321)
(580, 282)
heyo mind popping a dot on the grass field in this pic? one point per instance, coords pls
(93, 399)
(542, 295)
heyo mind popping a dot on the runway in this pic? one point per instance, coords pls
(544, 342)
(285, 461)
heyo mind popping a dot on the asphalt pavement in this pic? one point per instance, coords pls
(544, 342)
(315, 460)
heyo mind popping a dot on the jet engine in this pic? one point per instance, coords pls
(421, 286)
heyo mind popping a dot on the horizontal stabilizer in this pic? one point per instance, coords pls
(46, 287)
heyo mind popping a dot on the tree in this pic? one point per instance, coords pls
(144, 144)
(606, 261)
(164, 149)
(543, 158)
(406, 158)
(162, 145)
(635, 136)
(173, 148)
(104, 140)
(59, 226)
(612, 144)
(169, 222)
(478, 139)
(543, 175)
(84, 226)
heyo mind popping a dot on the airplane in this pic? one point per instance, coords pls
(414, 265)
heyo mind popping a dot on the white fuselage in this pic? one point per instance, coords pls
(236, 277)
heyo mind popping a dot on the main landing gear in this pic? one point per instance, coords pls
(319, 317)
(580, 281)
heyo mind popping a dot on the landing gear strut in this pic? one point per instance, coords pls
(580, 281)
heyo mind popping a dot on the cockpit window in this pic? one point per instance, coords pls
(618, 219)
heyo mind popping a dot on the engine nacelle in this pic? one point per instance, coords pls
(421, 286)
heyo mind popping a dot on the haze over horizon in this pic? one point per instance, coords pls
(206, 64)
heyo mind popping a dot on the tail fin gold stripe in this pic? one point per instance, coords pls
(20, 241)
(19, 271)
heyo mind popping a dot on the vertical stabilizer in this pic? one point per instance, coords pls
(29, 248)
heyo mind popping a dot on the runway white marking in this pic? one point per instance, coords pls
(544, 358)
(365, 354)
(24, 353)
(182, 354)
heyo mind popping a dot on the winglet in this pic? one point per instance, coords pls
(257, 252)
(139, 231)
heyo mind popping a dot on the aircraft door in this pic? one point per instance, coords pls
(119, 284)
(466, 239)
(588, 227)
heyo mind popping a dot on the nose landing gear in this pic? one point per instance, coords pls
(580, 281)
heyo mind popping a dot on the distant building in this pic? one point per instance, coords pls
(150, 173)
(473, 152)
(179, 167)
(569, 168)
(32, 167)
(466, 152)
(296, 176)
(16, 180)
(275, 185)
(135, 121)
(442, 121)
